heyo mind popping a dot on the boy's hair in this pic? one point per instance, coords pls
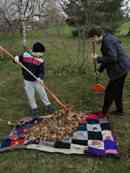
(38, 47)
(95, 31)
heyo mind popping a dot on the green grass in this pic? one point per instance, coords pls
(63, 28)
(124, 28)
(73, 89)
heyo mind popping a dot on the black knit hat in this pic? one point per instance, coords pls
(38, 47)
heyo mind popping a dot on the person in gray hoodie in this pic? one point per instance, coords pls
(117, 64)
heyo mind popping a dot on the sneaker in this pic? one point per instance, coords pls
(35, 112)
(50, 109)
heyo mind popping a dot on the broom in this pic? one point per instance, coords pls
(52, 95)
(98, 87)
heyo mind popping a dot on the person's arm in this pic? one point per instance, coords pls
(42, 71)
(111, 53)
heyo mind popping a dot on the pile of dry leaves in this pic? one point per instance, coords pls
(57, 127)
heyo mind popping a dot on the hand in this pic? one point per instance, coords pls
(40, 80)
(94, 56)
(16, 59)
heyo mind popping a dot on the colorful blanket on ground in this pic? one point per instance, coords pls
(93, 138)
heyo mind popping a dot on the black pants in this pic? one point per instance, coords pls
(114, 92)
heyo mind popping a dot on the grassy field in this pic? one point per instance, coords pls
(74, 89)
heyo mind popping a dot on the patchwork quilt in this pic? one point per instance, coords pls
(93, 137)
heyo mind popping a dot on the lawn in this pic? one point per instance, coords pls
(73, 87)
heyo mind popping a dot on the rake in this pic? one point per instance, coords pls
(98, 87)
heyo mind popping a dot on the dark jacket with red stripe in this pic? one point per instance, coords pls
(34, 64)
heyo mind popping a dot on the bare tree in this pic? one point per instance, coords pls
(29, 9)
(126, 8)
(7, 14)
(21, 11)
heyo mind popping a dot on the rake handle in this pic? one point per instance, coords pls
(54, 97)
(94, 52)
(93, 47)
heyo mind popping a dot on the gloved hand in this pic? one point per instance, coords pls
(16, 59)
(40, 80)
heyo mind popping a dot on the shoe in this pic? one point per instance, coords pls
(50, 109)
(35, 112)
(116, 112)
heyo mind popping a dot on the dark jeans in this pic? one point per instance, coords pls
(114, 92)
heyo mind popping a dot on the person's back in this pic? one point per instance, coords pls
(116, 62)
(114, 56)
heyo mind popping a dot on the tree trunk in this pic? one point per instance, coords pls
(24, 34)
